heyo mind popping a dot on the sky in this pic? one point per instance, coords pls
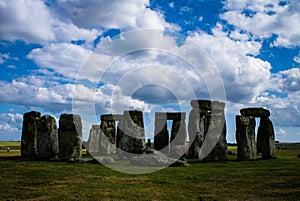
(96, 57)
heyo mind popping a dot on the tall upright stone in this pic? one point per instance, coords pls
(47, 138)
(207, 126)
(196, 131)
(29, 134)
(161, 133)
(267, 138)
(108, 135)
(94, 139)
(70, 137)
(216, 138)
(178, 131)
(265, 135)
(245, 137)
(132, 134)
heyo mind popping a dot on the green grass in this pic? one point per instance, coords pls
(277, 179)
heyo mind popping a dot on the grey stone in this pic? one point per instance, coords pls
(256, 112)
(196, 131)
(131, 132)
(47, 138)
(179, 151)
(111, 117)
(245, 137)
(94, 139)
(70, 137)
(108, 127)
(217, 133)
(161, 133)
(178, 133)
(170, 115)
(106, 146)
(267, 139)
(208, 105)
(156, 159)
(29, 134)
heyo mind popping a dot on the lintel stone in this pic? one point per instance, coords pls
(256, 112)
(208, 105)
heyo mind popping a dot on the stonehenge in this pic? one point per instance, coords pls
(245, 134)
(131, 133)
(161, 133)
(29, 134)
(124, 134)
(41, 140)
(47, 138)
(207, 123)
(70, 137)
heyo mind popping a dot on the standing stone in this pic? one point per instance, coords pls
(93, 142)
(245, 137)
(29, 134)
(196, 131)
(207, 126)
(266, 135)
(216, 134)
(161, 133)
(70, 137)
(132, 134)
(47, 138)
(108, 127)
(178, 133)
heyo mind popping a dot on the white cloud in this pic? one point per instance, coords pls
(64, 58)
(10, 122)
(244, 75)
(116, 14)
(265, 18)
(287, 81)
(33, 22)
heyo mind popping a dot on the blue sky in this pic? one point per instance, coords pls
(53, 52)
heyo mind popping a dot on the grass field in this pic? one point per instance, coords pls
(277, 179)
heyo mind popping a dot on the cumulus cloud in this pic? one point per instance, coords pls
(264, 19)
(64, 58)
(33, 22)
(244, 76)
(11, 122)
(115, 14)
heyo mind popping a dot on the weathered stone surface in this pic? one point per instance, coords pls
(245, 137)
(170, 115)
(94, 139)
(29, 134)
(256, 112)
(111, 117)
(178, 133)
(70, 137)
(156, 159)
(208, 105)
(267, 139)
(216, 133)
(131, 132)
(108, 127)
(196, 131)
(161, 135)
(47, 138)
(179, 151)
(106, 146)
